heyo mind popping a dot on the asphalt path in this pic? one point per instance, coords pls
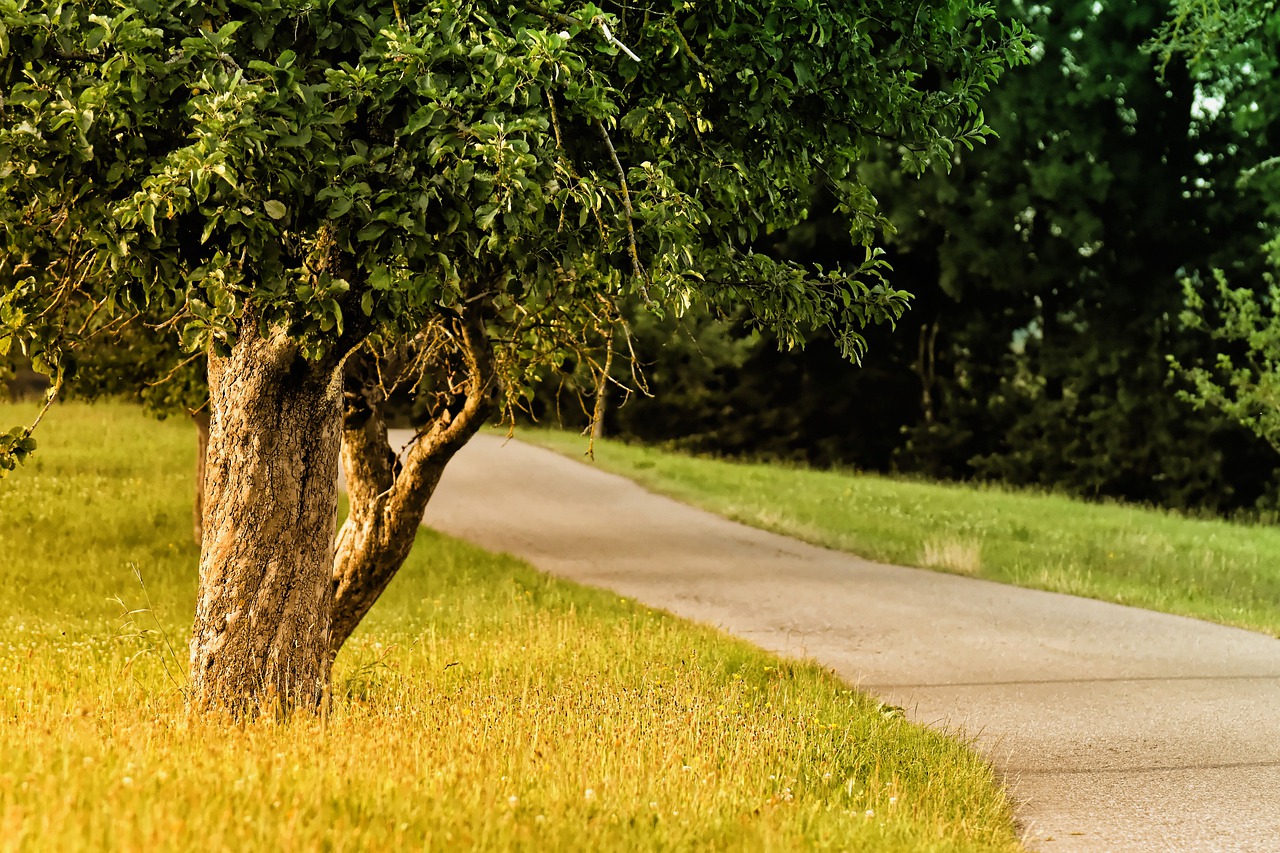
(1114, 728)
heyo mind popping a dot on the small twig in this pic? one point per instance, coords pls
(181, 314)
(49, 398)
(555, 118)
(688, 48)
(637, 371)
(175, 369)
(608, 36)
(92, 313)
(113, 325)
(570, 21)
(559, 17)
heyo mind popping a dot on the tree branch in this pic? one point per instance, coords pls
(626, 206)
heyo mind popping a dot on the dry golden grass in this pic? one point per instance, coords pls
(483, 705)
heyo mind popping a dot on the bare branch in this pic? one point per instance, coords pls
(49, 397)
(175, 370)
(608, 36)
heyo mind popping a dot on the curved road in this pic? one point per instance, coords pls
(1115, 728)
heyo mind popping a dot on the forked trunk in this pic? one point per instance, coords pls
(383, 522)
(261, 636)
(388, 496)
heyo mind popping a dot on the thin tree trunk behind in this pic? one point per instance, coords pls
(261, 635)
(201, 420)
(602, 393)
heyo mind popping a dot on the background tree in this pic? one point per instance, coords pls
(1065, 261)
(147, 366)
(1233, 48)
(1046, 272)
(297, 191)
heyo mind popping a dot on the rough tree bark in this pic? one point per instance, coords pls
(261, 635)
(388, 497)
(201, 420)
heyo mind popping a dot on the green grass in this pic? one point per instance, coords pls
(1215, 570)
(483, 705)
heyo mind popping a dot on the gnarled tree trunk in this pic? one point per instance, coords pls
(261, 635)
(387, 496)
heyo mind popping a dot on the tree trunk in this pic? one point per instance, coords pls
(382, 525)
(201, 420)
(387, 497)
(261, 635)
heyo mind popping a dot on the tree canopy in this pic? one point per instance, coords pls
(351, 168)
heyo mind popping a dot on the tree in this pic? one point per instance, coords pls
(1231, 45)
(1046, 274)
(1207, 32)
(305, 191)
(1244, 379)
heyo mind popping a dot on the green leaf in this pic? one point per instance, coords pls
(371, 232)
(421, 118)
(340, 205)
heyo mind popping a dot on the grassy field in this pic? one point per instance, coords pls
(482, 706)
(1215, 570)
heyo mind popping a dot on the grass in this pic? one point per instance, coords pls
(1215, 570)
(482, 706)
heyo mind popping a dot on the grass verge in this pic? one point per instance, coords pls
(1214, 570)
(482, 706)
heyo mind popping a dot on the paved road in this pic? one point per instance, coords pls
(1116, 728)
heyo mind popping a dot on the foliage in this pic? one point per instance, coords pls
(19, 443)
(359, 171)
(15, 446)
(1064, 258)
(1045, 269)
(1207, 31)
(1244, 380)
(475, 709)
(711, 383)
(1232, 46)
(142, 365)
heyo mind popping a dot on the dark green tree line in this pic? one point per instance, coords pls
(1046, 269)
(1234, 48)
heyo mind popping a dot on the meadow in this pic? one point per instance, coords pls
(1209, 569)
(483, 705)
